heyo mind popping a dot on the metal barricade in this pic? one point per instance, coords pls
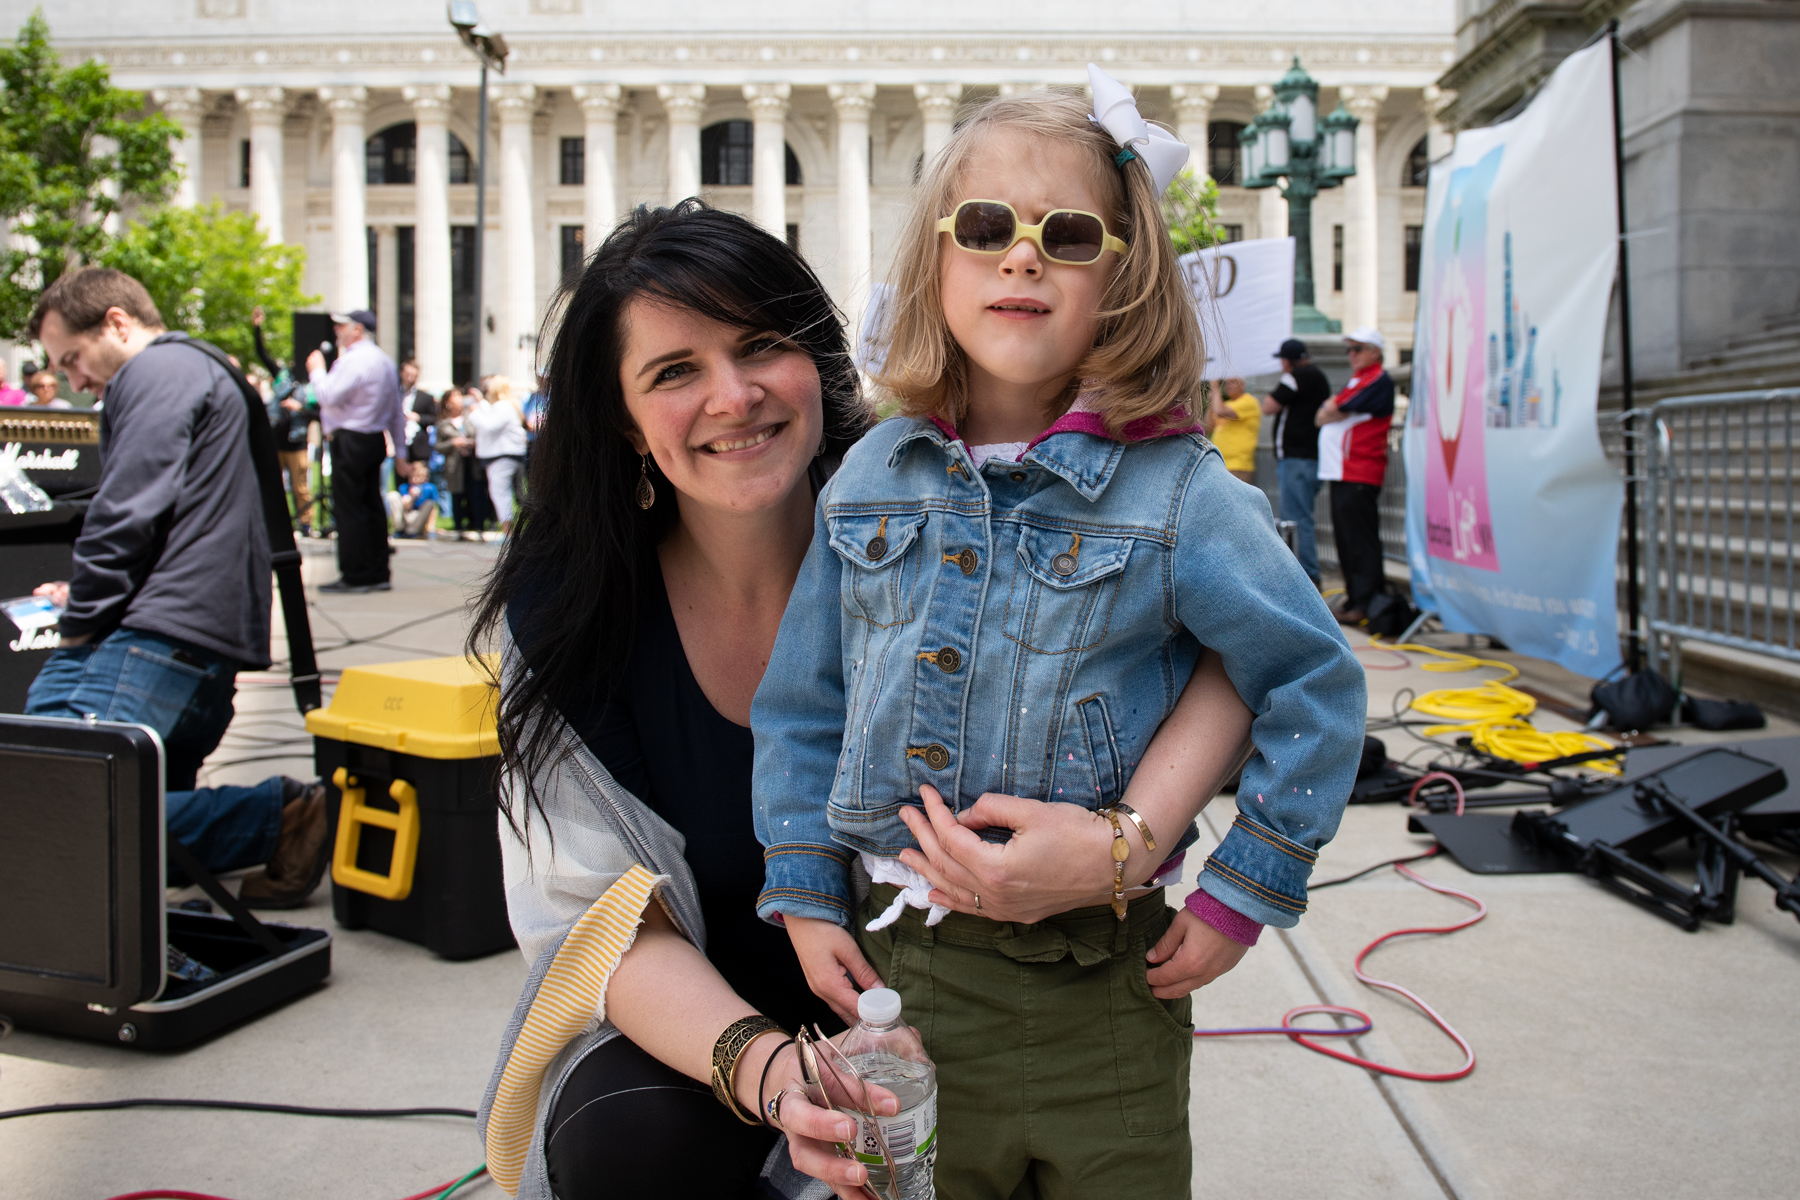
(1716, 515)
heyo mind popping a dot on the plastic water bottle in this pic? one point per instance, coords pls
(888, 1054)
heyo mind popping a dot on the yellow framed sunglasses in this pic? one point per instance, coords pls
(1065, 235)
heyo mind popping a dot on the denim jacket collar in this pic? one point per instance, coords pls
(1076, 446)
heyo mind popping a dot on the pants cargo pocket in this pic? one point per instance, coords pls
(1153, 1043)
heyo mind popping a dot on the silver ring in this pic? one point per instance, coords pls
(977, 901)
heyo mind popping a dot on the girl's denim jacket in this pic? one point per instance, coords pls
(1024, 629)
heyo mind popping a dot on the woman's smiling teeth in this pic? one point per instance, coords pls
(1030, 308)
(725, 447)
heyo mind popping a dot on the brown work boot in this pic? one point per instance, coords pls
(294, 870)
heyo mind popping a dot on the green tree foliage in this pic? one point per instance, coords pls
(207, 268)
(1191, 208)
(72, 149)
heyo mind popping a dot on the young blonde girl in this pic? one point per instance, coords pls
(1009, 586)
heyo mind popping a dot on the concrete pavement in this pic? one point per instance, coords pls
(1618, 1056)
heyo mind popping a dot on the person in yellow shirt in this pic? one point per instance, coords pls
(1233, 423)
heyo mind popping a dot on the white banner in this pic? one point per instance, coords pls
(1512, 511)
(1244, 293)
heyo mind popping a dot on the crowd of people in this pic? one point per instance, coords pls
(448, 465)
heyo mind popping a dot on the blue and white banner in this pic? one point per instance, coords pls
(1512, 510)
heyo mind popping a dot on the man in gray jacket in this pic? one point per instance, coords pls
(170, 592)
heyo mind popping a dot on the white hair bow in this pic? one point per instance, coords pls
(1116, 111)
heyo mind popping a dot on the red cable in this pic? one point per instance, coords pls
(1411, 797)
(1371, 981)
(1404, 662)
(1302, 1035)
(161, 1194)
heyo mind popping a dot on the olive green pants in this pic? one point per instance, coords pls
(1060, 1076)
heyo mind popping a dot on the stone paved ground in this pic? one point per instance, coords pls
(1619, 1057)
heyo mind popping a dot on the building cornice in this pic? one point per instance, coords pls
(1174, 56)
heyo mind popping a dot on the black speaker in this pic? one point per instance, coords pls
(313, 331)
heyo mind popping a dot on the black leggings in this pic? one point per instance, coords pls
(627, 1125)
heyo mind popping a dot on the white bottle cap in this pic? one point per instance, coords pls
(879, 1006)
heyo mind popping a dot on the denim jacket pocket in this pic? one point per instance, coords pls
(1102, 750)
(1062, 595)
(877, 548)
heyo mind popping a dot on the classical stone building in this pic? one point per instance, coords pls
(1711, 107)
(351, 129)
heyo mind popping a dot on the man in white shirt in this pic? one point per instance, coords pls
(360, 409)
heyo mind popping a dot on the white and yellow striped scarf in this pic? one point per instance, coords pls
(572, 994)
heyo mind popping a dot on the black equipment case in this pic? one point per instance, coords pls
(85, 935)
(408, 752)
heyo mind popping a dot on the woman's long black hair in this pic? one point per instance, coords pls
(568, 577)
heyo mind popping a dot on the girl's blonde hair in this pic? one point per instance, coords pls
(1147, 359)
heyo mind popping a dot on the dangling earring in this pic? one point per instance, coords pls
(646, 491)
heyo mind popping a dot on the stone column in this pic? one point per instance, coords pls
(267, 107)
(1271, 211)
(432, 321)
(386, 289)
(1439, 141)
(1193, 113)
(600, 105)
(854, 103)
(183, 106)
(937, 104)
(517, 103)
(768, 174)
(684, 103)
(349, 200)
(1362, 242)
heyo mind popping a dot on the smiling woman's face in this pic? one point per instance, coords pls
(732, 417)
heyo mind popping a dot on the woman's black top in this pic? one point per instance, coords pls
(662, 740)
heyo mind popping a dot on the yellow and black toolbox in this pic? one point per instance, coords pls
(409, 755)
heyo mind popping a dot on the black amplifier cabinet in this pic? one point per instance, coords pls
(58, 449)
(85, 938)
(34, 548)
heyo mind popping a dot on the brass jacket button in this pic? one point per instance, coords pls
(1018, 477)
(948, 660)
(876, 549)
(968, 560)
(936, 757)
(1063, 564)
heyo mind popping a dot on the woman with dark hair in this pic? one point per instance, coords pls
(701, 385)
(701, 392)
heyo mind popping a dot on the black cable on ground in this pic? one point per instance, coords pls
(298, 1110)
(1392, 862)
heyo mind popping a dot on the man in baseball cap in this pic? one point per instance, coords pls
(360, 408)
(1293, 404)
(1353, 454)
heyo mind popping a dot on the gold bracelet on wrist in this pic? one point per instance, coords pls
(1143, 826)
(1121, 850)
(728, 1051)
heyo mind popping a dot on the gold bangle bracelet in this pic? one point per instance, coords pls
(728, 1050)
(1143, 826)
(1121, 850)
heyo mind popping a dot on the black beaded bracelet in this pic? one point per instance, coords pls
(762, 1085)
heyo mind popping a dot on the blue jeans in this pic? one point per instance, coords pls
(1299, 479)
(184, 693)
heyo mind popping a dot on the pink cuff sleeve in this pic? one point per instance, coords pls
(1222, 917)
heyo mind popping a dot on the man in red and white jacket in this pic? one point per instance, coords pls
(1353, 454)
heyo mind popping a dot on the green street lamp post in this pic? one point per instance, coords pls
(490, 48)
(1289, 147)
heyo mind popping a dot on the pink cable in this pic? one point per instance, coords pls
(1301, 1034)
(1453, 781)
(1370, 981)
(162, 1194)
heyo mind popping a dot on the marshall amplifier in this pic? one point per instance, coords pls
(34, 548)
(58, 449)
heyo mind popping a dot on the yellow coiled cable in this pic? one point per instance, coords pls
(1491, 714)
